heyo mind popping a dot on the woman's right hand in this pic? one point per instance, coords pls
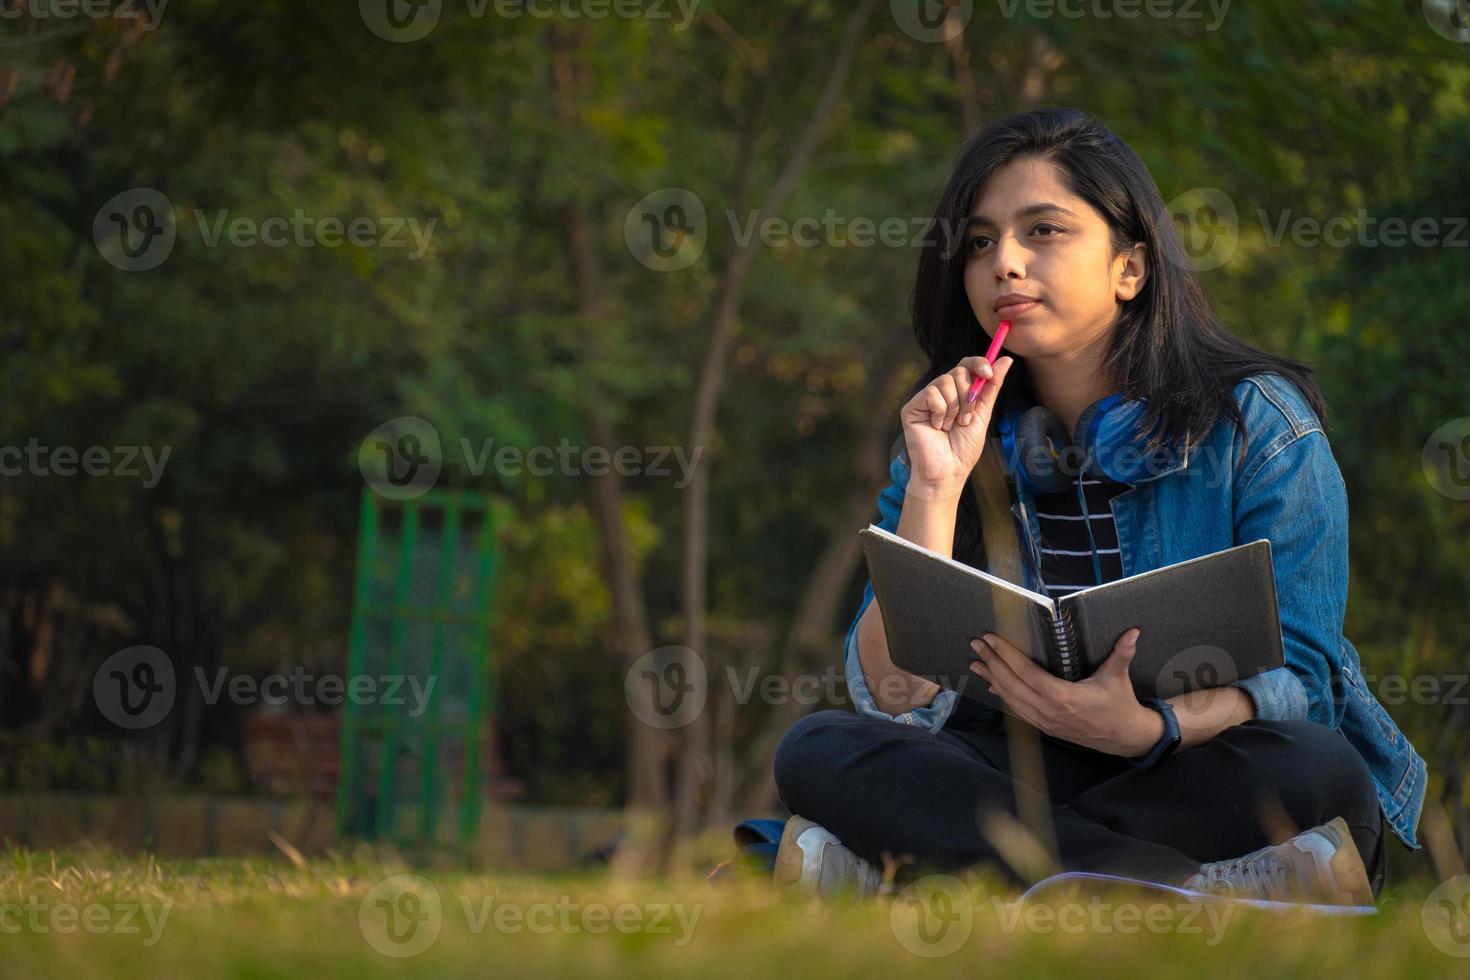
(945, 439)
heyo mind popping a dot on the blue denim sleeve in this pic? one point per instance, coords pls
(890, 506)
(1295, 496)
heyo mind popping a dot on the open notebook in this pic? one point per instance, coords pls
(1204, 622)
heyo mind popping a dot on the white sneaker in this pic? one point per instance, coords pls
(812, 859)
(1317, 865)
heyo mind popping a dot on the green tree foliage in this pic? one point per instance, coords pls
(262, 368)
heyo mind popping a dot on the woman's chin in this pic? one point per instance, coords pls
(1026, 341)
(1036, 340)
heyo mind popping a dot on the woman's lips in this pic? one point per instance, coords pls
(1012, 310)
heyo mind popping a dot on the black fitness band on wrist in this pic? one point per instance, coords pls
(1166, 745)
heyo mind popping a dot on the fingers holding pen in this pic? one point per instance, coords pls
(946, 398)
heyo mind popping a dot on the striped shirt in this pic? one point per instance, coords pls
(1066, 550)
(1066, 566)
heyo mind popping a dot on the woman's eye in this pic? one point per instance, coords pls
(979, 242)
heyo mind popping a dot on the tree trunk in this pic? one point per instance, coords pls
(808, 643)
(696, 752)
(646, 748)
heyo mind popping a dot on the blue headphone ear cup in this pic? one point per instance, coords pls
(1040, 439)
(1120, 414)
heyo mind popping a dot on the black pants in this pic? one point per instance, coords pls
(883, 787)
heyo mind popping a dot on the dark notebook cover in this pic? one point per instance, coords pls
(1204, 622)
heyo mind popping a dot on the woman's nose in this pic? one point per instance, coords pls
(1009, 259)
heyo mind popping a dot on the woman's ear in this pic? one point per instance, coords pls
(1132, 272)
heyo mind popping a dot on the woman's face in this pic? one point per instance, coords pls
(1029, 236)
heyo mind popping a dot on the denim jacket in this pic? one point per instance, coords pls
(1287, 488)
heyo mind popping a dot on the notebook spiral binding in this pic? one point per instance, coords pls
(1064, 641)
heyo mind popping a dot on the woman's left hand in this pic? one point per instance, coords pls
(1100, 712)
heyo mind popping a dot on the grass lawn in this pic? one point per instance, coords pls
(85, 913)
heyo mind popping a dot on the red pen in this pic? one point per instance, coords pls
(990, 355)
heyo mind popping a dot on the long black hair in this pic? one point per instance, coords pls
(1168, 347)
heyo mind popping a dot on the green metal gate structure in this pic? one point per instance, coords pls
(426, 572)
